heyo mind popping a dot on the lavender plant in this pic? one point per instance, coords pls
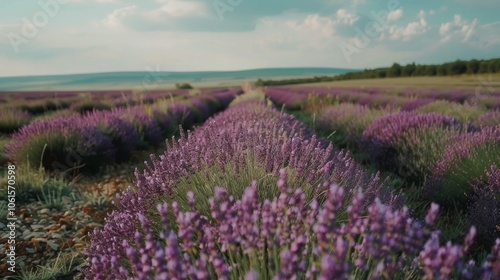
(463, 163)
(410, 143)
(49, 142)
(489, 119)
(146, 126)
(462, 112)
(346, 122)
(12, 120)
(245, 131)
(123, 135)
(286, 237)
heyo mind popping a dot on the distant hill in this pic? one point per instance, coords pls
(130, 80)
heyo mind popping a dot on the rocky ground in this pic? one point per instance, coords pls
(55, 238)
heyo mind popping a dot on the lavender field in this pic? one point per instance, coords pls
(262, 183)
(255, 140)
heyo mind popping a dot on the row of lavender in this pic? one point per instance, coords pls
(407, 100)
(456, 163)
(26, 107)
(291, 207)
(100, 137)
(96, 95)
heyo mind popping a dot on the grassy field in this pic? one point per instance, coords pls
(465, 81)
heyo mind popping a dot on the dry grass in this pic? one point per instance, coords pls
(463, 81)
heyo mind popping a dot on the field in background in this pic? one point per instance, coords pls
(485, 80)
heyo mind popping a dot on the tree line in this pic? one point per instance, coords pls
(458, 67)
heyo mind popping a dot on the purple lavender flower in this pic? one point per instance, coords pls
(462, 165)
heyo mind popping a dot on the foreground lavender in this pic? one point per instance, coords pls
(285, 237)
(275, 140)
(339, 232)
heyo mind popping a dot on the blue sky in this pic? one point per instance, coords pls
(82, 36)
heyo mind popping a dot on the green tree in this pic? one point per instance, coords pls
(394, 71)
(456, 68)
(473, 66)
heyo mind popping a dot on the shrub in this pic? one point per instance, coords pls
(12, 120)
(409, 143)
(347, 122)
(56, 114)
(413, 104)
(145, 125)
(122, 133)
(285, 98)
(462, 164)
(85, 106)
(183, 86)
(464, 113)
(490, 118)
(68, 142)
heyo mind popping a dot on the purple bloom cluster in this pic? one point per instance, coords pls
(405, 140)
(62, 137)
(462, 165)
(124, 136)
(282, 97)
(145, 125)
(415, 103)
(276, 140)
(286, 238)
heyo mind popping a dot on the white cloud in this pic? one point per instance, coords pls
(411, 30)
(343, 16)
(178, 8)
(163, 16)
(458, 28)
(395, 15)
(115, 19)
(313, 32)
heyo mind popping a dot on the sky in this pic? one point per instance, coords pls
(84, 36)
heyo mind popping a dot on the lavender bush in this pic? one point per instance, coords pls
(123, 135)
(462, 112)
(462, 165)
(409, 143)
(282, 97)
(413, 104)
(347, 122)
(53, 142)
(489, 119)
(12, 120)
(145, 125)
